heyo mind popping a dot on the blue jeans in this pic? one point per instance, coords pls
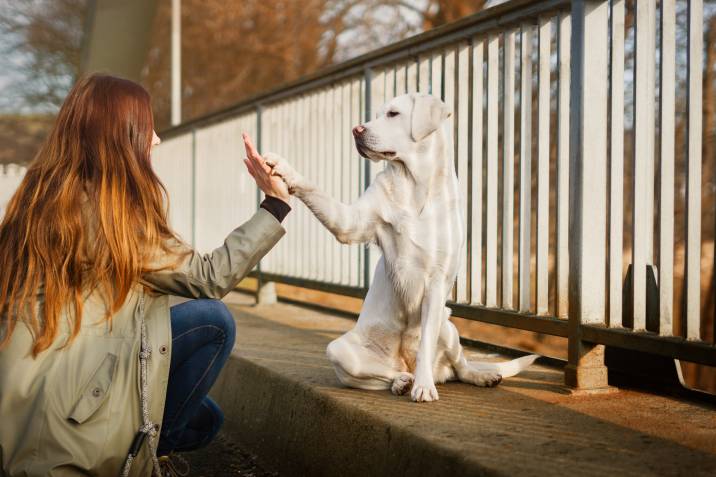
(203, 333)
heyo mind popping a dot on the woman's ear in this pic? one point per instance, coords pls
(428, 113)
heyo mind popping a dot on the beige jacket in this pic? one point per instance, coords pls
(76, 410)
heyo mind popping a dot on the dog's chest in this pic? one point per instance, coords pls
(422, 239)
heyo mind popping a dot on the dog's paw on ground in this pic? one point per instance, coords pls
(424, 392)
(402, 384)
(487, 380)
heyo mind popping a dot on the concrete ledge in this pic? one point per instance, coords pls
(283, 403)
(298, 430)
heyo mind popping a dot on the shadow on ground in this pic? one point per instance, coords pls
(283, 402)
(224, 458)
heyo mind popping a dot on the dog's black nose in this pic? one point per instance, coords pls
(358, 131)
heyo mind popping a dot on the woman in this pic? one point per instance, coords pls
(97, 373)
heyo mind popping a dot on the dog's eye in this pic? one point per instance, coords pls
(392, 114)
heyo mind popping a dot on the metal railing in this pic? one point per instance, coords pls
(538, 92)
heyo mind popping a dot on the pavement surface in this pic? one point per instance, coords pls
(224, 458)
(283, 403)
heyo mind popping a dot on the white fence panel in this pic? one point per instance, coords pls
(172, 162)
(10, 178)
(313, 132)
(225, 192)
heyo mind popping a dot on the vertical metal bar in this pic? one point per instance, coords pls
(322, 257)
(508, 170)
(400, 80)
(325, 167)
(346, 173)
(298, 138)
(451, 66)
(357, 182)
(476, 176)
(193, 188)
(616, 167)
(368, 79)
(693, 178)
(565, 32)
(394, 86)
(461, 107)
(259, 146)
(286, 150)
(391, 84)
(643, 156)
(306, 218)
(411, 77)
(273, 259)
(468, 91)
(424, 75)
(588, 188)
(436, 75)
(176, 62)
(336, 160)
(542, 277)
(313, 226)
(525, 169)
(493, 74)
(667, 87)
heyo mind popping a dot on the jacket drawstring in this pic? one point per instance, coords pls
(148, 428)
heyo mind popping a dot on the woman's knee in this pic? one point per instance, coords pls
(217, 314)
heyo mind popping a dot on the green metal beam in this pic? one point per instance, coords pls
(117, 34)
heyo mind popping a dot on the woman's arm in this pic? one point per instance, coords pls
(213, 275)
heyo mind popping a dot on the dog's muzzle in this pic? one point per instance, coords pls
(364, 150)
(358, 134)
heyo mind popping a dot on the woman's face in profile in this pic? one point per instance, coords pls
(155, 139)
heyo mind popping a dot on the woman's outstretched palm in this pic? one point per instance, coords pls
(269, 184)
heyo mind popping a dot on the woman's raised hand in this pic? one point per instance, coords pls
(270, 184)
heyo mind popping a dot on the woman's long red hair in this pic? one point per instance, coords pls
(88, 213)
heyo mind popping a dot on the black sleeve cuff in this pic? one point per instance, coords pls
(276, 207)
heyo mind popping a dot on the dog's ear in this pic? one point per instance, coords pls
(428, 113)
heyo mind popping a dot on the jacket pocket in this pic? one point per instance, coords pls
(95, 392)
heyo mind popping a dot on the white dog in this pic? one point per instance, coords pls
(403, 337)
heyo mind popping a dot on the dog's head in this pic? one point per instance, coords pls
(400, 128)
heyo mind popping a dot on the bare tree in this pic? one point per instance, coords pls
(42, 39)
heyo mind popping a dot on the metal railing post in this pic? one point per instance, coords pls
(265, 291)
(368, 79)
(193, 187)
(588, 191)
(176, 63)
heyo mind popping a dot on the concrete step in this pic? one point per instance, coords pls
(283, 403)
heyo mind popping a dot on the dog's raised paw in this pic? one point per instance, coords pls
(272, 159)
(402, 384)
(424, 393)
(280, 167)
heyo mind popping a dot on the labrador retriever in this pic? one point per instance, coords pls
(404, 339)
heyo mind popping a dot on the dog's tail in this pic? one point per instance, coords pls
(504, 368)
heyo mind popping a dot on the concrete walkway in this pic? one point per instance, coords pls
(283, 403)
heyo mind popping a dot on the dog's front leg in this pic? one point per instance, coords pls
(431, 316)
(354, 223)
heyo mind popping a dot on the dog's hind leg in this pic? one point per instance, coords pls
(450, 341)
(359, 367)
